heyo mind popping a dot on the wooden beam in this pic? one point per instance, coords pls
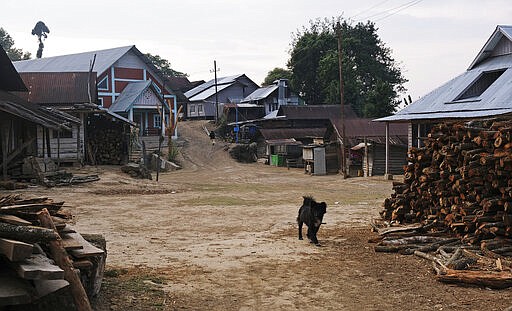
(87, 249)
(15, 250)
(14, 291)
(14, 220)
(38, 267)
(60, 256)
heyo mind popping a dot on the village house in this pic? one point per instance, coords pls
(296, 127)
(273, 96)
(208, 99)
(127, 84)
(24, 127)
(482, 91)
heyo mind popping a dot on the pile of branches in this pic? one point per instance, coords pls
(453, 260)
(461, 179)
(40, 254)
(245, 153)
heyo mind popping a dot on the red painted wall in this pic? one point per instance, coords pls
(129, 73)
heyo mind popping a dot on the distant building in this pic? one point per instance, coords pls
(25, 127)
(483, 90)
(273, 96)
(204, 98)
(127, 83)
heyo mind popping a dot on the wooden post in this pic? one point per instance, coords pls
(387, 176)
(58, 148)
(343, 157)
(61, 258)
(78, 144)
(4, 137)
(367, 161)
(48, 145)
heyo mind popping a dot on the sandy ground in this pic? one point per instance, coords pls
(224, 237)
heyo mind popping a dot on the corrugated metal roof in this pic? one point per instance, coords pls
(59, 87)
(74, 62)
(202, 87)
(47, 117)
(283, 133)
(9, 78)
(485, 52)
(314, 111)
(261, 93)
(129, 95)
(442, 102)
(206, 93)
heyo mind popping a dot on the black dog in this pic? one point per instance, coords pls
(311, 213)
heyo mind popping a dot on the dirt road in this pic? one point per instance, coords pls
(218, 235)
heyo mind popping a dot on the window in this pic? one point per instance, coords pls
(103, 84)
(157, 121)
(481, 84)
(192, 109)
(100, 101)
(199, 108)
(63, 134)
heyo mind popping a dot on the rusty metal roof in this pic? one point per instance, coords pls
(59, 87)
(47, 117)
(283, 133)
(315, 112)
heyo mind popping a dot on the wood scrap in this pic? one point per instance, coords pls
(15, 250)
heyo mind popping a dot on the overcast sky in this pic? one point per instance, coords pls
(431, 40)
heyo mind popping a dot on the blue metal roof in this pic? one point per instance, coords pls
(443, 103)
(260, 93)
(74, 62)
(129, 95)
(211, 84)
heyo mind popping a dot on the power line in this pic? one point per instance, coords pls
(391, 11)
(368, 9)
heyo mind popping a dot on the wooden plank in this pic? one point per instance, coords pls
(70, 243)
(14, 220)
(87, 248)
(38, 266)
(14, 291)
(82, 264)
(67, 229)
(15, 250)
(46, 287)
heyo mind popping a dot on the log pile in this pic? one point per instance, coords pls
(40, 254)
(457, 197)
(453, 260)
(461, 179)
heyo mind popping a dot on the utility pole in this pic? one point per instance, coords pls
(343, 157)
(216, 94)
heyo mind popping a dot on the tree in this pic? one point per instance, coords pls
(7, 44)
(41, 31)
(164, 66)
(372, 79)
(276, 74)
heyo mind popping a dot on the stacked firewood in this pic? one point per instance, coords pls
(460, 179)
(40, 254)
(106, 146)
